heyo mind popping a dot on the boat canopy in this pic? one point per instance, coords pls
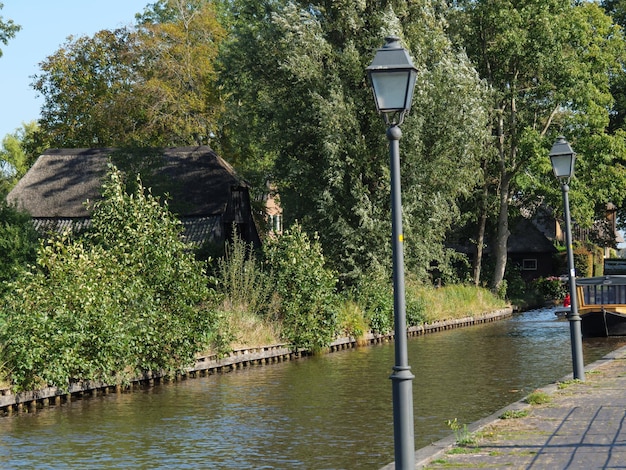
(615, 279)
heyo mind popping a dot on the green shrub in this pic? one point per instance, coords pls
(583, 261)
(415, 310)
(18, 243)
(241, 280)
(305, 287)
(550, 288)
(127, 298)
(351, 319)
(374, 293)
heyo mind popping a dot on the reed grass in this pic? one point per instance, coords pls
(454, 301)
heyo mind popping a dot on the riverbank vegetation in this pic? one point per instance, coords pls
(279, 90)
(128, 296)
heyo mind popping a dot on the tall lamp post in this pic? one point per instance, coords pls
(563, 158)
(393, 75)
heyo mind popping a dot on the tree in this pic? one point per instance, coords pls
(17, 155)
(179, 41)
(88, 91)
(301, 114)
(548, 64)
(148, 86)
(8, 30)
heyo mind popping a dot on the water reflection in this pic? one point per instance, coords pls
(332, 411)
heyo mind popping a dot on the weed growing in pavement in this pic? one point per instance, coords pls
(567, 383)
(538, 397)
(513, 414)
(461, 434)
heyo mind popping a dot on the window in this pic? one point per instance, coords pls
(529, 265)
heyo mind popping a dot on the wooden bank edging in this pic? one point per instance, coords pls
(30, 401)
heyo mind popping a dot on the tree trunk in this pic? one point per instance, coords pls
(480, 238)
(502, 233)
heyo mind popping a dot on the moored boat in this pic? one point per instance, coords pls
(602, 305)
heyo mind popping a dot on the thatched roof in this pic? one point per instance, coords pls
(527, 238)
(197, 181)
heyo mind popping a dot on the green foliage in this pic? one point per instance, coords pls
(152, 85)
(128, 298)
(17, 154)
(351, 320)
(290, 62)
(8, 29)
(565, 384)
(538, 397)
(242, 281)
(306, 289)
(374, 293)
(462, 435)
(583, 261)
(550, 288)
(415, 309)
(18, 243)
(514, 414)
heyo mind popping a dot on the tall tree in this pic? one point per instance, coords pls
(548, 64)
(179, 41)
(153, 85)
(8, 29)
(302, 115)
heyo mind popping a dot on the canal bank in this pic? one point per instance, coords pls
(31, 401)
(322, 411)
(581, 426)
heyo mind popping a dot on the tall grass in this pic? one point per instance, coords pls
(247, 301)
(250, 305)
(453, 301)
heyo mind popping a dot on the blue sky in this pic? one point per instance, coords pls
(45, 26)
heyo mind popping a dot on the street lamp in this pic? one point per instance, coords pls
(563, 158)
(393, 75)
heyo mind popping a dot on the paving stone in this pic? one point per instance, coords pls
(583, 427)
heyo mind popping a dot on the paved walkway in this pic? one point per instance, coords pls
(583, 426)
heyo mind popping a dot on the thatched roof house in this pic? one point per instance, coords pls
(203, 190)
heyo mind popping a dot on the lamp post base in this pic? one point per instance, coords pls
(404, 436)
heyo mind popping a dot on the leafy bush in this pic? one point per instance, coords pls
(583, 261)
(18, 243)
(374, 293)
(128, 298)
(305, 288)
(415, 306)
(550, 288)
(351, 319)
(241, 280)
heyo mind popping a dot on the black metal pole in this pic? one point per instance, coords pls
(573, 316)
(401, 378)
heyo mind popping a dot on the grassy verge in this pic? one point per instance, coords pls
(445, 303)
(455, 301)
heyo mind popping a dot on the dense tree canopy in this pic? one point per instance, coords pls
(278, 87)
(151, 85)
(301, 111)
(548, 64)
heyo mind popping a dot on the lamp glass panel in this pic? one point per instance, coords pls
(390, 89)
(562, 165)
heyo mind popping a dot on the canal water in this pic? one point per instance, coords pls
(328, 412)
